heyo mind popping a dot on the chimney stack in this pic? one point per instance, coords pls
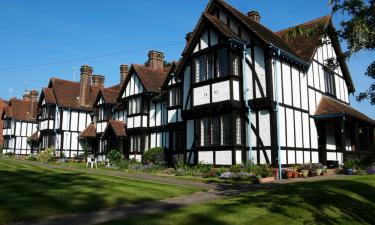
(33, 94)
(98, 81)
(254, 15)
(85, 85)
(124, 70)
(26, 96)
(156, 59)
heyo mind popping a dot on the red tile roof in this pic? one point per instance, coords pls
(67, 93)
(89, 131)
(305, 45)
(110, 95)
(21, 110)
(152, 79)
(329, 106)
(118, 128)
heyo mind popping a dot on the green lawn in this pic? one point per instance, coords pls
(345, 201)
(31, 192)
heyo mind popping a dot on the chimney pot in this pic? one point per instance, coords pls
(254, 15)
(97, 80)
(124, 70)
(156, 59)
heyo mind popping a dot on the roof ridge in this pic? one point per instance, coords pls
(303, 24)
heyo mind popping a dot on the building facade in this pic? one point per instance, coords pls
(239, 93)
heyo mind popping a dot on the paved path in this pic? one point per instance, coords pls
(215, 191)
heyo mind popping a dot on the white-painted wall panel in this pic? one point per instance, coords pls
(314, 134)
(287, 85)
(290, 127)
(306, 130)
(220, 91)
(201, 95)
(282, 135)
(296, 88)
(291, 157)
(298, 129)
(264, 128)
(223, 157)
(206, 157)
(304, 94)
(189, 134)
(236, 90)
(260, 69)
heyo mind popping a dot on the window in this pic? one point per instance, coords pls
(212, 65)
(137, 143)
(238, 130)
(7, 124)
(215, 131)
(6, 143)
(177, 140)
(48, 112)
(48, 141)
(137, 105)
(236, 65)
(329, 78)
(174, 97)
(105, 113)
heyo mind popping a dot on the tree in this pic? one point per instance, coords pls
(359, 33)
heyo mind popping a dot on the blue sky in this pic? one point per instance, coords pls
(76, 32)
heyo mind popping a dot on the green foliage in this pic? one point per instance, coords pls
(9, 154)
(264, 171)
(47, 155)
(31, 158)
(351, 164)
(236, 168)
(154, 156)
(115, 157)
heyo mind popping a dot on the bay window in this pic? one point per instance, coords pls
(215, 131)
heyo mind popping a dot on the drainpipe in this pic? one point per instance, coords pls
(246, 90)
(276, 65)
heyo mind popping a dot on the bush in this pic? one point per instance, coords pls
(212, 173)
(222, 170)
(9, 154)
(236, 168)
(31, 158)
(114, 157)
(47, 155)
(154, 156)
(203, 168)
(265, 171)
(351, 164)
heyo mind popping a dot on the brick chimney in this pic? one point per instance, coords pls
(26, 96)
(85, 85)
(33, 94)
(254, 15)
(97, 81)
(156, 59)
(124, 70)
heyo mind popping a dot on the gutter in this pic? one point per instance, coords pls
(280, 52)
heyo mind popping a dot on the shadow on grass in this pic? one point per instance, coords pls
(349, 201)
(30, 192)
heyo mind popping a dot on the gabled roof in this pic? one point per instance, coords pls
(21, 110)
(109, 95)
(260, 31)
(329, 106)
(89, 131)
(48, 95)
(151, 79)
(118, 128)
(306, 45)
(171, 71)
(34, 137)
(66, 93)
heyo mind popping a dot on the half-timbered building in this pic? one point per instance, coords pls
(19, 123)
(65, 110)
(235, 70)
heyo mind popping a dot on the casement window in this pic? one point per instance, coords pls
(329, 79)
(7, 124)
(174, 97)
(6, 143)
(48, 141)
(236, 65)
(137, 105)
(215, 131)
(48, 112)
(104, 113)
(177, 140)
(137, 143)
(238, 130)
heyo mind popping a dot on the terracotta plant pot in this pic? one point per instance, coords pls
(295, 174)
(289, 174)
(305, 173)
(266, 180)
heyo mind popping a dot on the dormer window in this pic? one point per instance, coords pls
(174, 97)
(104, 113)
(48, 112)
(329, 79)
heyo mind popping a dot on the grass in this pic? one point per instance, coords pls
(31, 192)
(344, 201)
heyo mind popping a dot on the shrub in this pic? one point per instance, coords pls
(154, 156)
(203, 168)
(212, 173)
(31, 158)
(47, 155)
(180, 172)
(236, 168)
(222, 170)
(351, 164)
(265, 171)
(9, 154)
(114, 157)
